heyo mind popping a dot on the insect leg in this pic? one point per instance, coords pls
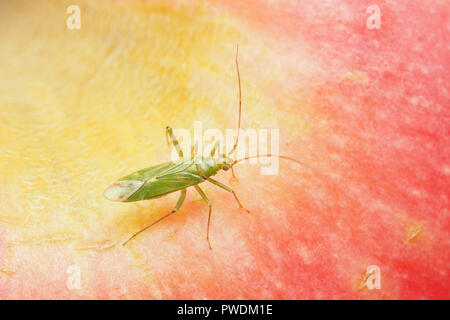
(232, 172)
(176, 144)
(177, 206)
(203, 195)
(221, 185)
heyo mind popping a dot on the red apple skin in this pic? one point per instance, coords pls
(388, 145)
(377, 164)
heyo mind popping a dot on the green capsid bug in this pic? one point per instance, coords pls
(162, 179)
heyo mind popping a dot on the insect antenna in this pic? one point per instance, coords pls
(240, 101)
(271, 155)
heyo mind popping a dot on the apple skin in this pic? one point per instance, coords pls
(365, 110)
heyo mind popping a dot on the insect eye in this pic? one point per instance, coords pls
(225, 167)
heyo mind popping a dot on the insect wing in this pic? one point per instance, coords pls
(158, 170)
(122, 190)
(151, 182)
